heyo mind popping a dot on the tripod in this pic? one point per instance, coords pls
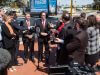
(42, 54)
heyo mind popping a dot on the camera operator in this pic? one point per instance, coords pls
(43, 24)
(28, 37)
(75, 48)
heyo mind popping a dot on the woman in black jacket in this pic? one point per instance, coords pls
(9, 35)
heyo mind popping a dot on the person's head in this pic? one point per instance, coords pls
(12, 14)
(27, 16)
(66, 17)
(43, 15)
(92, 20)
(1, 12)
(80, 23)
(83, 15)
(75, 18)
(7, 18)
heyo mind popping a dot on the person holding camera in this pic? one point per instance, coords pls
(28, 38)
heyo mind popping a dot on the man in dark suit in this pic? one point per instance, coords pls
(66, 34)
(28, 37)
(16, 28)
(43, 24)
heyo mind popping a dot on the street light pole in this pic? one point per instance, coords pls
(71, 6)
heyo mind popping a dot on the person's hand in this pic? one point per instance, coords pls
(29, 36)
(51, 25)
(24, 31)
(53, 30)
(57, 40)
(13, 34)
(43, 34)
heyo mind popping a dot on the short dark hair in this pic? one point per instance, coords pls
(27, 13)
(41, 14)
(83, 15)
(66, 16)
(11, 13)
(82, 23)
(75, 18)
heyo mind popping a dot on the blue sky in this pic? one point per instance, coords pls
(78, 2)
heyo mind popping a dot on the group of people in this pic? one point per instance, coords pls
(77, 38)
(11, 29)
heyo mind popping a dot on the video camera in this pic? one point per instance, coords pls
(30, 30)
(73, 68)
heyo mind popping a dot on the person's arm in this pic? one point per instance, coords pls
(58, 40)
(15, 25)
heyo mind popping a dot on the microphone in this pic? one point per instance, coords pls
(5, 58)
(37, 30)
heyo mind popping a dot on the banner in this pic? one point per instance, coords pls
(39, 5)
(52, 6)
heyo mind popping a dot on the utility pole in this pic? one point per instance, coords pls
(71, 7)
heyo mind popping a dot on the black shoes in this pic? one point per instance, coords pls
(32, 58)
(25, 60)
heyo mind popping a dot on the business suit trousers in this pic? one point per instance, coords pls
(40, 50)
(28, 43)
(12, 51)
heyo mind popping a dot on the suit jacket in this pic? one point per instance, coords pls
(46, 30)
(76, 48)
(8, 42)
(67, 34)
(17, 27)
(32, 23)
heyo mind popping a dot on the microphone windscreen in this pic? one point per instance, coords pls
(37, 29)
(5, 58)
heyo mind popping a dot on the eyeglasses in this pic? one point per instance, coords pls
(43, 15)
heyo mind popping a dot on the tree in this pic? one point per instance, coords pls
(3, 1)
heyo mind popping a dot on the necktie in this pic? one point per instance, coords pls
(43, 23)
(28, 24)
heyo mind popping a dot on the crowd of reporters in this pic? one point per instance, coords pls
(77, 38)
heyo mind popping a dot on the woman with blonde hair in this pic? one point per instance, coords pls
(8, 35)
